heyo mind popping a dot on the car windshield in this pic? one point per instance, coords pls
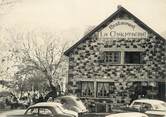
(69, 101)
(160, 106)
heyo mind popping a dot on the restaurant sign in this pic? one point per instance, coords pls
(123, 29)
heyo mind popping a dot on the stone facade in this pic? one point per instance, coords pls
(85, 65)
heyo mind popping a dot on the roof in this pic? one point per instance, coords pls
(105, 23)
(44, 104)
(151, 101)
(68, 96)
(128, 114)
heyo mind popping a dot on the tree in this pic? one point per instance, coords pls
(39, 59)
(23, 83)
(35, 56)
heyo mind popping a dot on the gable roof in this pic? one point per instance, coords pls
(109, 19)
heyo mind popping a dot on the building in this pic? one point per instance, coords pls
(120, 60)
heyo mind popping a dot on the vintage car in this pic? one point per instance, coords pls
(49, 109)
(129, 114)
(46, 109)
(73, 103)
(153, 108)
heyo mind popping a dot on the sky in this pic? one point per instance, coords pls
(70, 18)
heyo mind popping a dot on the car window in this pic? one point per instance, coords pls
(71, 101)
(45, 112)
(137, 103)
(68, 101)
(147, 106)
(64, 101)
(160, 106)
(32, 111)
(163, 104)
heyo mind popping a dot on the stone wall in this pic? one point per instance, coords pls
(84, 61)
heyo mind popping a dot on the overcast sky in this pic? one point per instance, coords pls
(72, 17)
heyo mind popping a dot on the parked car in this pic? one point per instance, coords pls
(150, 106)
(129, 114)
(49, 109)
(72, 103)
(46, 109)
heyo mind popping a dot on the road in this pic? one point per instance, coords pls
(12, 112)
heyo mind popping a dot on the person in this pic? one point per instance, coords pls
(52, 94)
(29, 100)
(14, 103)
(41, 99)
(34, 99)
(7, 101)
(86, 102)
(50, 99)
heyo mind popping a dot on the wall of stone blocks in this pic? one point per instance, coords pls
(84, 63)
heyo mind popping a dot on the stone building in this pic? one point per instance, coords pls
(120, 60)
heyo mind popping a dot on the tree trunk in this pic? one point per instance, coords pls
(53, 88)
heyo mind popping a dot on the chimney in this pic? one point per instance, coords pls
(119, 6)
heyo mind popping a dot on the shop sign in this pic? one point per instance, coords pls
(123, 29)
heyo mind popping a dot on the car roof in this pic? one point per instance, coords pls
(128, 114)
(151, 101)
(44, 104)
(67, 96)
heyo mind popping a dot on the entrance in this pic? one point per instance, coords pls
(144, 89)
(162, 91)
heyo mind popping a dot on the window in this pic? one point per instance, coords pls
(87, 89)
(137, 104)
(133, 57)
(146, 106)
(121, 57)
(45, 112)
(112, 57)
(104, 89)
(32, 111)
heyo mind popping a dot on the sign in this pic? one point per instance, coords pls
(123, 29)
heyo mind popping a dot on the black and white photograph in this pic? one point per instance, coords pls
(82, 58)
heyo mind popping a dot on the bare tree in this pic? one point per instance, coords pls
(46, 60)
(32, 54)
(7, 5)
